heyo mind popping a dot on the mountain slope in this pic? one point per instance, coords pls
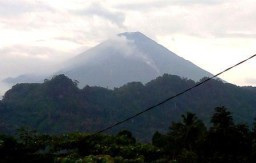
(128, 57)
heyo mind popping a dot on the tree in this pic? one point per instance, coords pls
(125, 137)
(222, 119)
(226, 142)
(159, 140)
(186, 135)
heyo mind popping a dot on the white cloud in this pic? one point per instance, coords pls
(131, 51)
(23, 14)
(16, 8)
(146, 5)
(20, 59)
(97, 9)
(251, 81)
(215, 20)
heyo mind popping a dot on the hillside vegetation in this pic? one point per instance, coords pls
(187, 141)
(59, 106)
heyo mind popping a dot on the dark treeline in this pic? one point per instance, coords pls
(187, 141)
(58, 106)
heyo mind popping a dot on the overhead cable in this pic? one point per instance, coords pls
(172, 97)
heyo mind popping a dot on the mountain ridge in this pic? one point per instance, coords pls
(59, 106)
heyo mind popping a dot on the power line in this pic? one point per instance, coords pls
(170, 98)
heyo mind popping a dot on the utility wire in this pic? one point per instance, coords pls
(170, 98)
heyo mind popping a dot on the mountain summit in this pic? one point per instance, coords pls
(128, 57)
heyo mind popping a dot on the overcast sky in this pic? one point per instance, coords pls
(35, 35)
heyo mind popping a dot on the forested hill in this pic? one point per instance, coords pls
(59, 106)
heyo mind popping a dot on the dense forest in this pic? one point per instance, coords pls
(187, 141)
(58, 106)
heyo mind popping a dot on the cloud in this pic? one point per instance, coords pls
(3, 88)
(41, 20)
(25, 78)
(10, 8)
(27, 51)
(250, 81)
(129, 50)
(149, 5)
(97, 9)
(24, 14)
(195, 18)
(20, 59)
(16, 8)
(238, 35)
(197, 2)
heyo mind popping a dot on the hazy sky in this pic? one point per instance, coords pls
(35, 35)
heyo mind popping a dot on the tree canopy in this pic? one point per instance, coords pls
(187, 141)
(58, 106)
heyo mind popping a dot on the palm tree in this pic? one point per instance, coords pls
(188, 133)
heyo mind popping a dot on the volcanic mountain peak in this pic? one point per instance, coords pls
(127, 57)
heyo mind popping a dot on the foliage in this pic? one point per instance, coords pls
(187, 141)
(57, 106)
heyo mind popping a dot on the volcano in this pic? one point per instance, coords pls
(128, 57)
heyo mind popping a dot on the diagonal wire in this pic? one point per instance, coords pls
(170, 98)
